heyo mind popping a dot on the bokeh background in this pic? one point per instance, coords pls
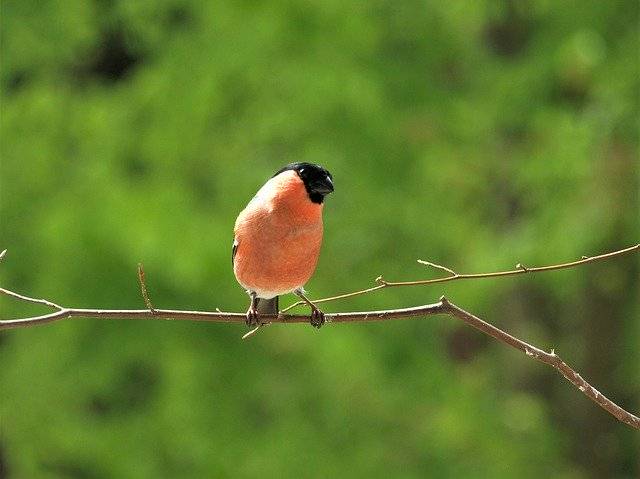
(474, 134)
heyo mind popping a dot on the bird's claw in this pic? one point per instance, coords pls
(252, 317)
(317, 318)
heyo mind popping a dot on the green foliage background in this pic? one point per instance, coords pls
(475, 134)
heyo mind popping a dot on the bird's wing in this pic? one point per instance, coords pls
(233, 250)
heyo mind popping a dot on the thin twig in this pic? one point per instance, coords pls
(340, 296)
(453, 276)
(520, 269)
(437, 266)
(27, 299)
(143, 289)
(253, 331)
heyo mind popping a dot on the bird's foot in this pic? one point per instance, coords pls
(317, 318)
(252, 317)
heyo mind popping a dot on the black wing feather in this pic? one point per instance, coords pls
(234, 249)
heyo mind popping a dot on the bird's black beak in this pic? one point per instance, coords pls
(323, 186)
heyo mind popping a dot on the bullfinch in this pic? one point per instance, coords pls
(277, 238)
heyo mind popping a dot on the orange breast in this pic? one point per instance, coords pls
(278, 238)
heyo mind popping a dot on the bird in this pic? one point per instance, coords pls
(277, 239)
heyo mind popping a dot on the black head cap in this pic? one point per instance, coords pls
(317, 181)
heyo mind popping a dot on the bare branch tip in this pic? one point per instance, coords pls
(438, 266)
(381, 281)
(143, 289)
(4, 252)
(140, 274)
(252, 332)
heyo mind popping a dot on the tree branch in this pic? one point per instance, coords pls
(443, 306)
(552, 359)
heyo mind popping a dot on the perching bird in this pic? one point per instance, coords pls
(277, 238)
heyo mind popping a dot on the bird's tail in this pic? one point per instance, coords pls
(267, 306)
